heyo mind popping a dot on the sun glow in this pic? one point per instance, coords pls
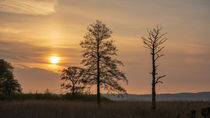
(54, 60)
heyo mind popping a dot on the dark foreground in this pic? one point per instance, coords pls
(77, 109)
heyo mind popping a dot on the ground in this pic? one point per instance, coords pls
(79, 109)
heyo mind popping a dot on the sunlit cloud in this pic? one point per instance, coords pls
(23, 55)
(28, 7)
(9, 30)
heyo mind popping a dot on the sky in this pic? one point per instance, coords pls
(31, 31)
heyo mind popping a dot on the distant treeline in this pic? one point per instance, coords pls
(49, 96)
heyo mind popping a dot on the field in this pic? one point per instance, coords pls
(79, 109)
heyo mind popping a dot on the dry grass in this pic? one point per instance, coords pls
(77, 109)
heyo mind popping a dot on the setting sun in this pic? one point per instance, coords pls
(54, 60)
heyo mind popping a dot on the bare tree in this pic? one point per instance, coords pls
(73, 79)
(102, 70)
(154, 43)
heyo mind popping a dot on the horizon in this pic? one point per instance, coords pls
(40, 38)
(43, 92)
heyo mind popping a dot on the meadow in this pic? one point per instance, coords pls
(89, 109)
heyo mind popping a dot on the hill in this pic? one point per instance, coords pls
(201, 96)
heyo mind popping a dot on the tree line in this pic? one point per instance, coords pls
(100, 67)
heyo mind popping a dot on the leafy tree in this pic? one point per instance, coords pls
(5, 68)
(73, 79)
(8, 85)
(102, 69)
(154, 43)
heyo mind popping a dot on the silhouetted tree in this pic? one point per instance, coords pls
(73, 79)
(154, 43)
(97, 57)
(47, 91)
(8, 85)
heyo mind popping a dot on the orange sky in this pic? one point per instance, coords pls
(33, 30)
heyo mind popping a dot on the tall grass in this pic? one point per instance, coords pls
(81, 109)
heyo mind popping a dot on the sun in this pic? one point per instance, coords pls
(54, 60)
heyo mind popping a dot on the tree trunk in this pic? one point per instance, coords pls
(98, 75)
(73, 90)
(153, 97)
(153, 80)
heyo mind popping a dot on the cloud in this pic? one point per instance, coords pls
(9, 30)
(28, 7)
(23, 54)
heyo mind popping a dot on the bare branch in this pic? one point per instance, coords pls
(159, 50)
(158, 56)
(158, 79)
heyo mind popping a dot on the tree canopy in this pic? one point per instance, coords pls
(8, 85)
(73, 79)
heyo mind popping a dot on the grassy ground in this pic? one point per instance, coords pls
(78, 109)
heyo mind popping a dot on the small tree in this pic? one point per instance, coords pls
(8, 85)
(154, 43)
(47, 91)
(73, 79)
(102, 69)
